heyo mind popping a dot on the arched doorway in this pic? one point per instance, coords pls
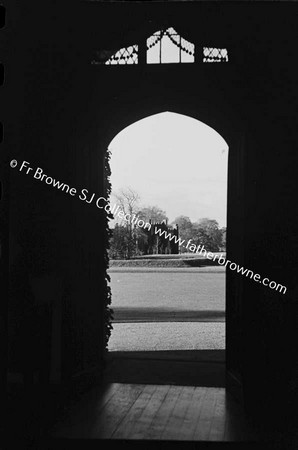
(147, 94)
(187, 310)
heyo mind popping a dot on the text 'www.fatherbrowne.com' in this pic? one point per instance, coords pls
(103, 203)
(221, 260)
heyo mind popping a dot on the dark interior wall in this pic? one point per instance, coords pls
(55, 239)
(66, 111)
(270, 318)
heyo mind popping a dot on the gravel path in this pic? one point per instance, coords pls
(167, 336)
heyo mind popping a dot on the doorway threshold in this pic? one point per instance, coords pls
(182, 367)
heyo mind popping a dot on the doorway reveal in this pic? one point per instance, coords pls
(169, 171)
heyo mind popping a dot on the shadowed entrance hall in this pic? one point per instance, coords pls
(156, 412)
(65, 107)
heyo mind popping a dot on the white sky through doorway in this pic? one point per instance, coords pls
(174, 162)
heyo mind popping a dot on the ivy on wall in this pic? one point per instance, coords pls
(108, 312)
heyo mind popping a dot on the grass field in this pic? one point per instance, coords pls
(167, 308)
(178, 289)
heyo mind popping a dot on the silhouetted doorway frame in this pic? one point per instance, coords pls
(233, 133)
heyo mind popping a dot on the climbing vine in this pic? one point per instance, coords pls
(108, 312)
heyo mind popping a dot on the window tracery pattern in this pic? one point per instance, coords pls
(162, 47)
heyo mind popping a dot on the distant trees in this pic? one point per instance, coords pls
(205, 232)
(186, 228)
(123, 239)
(128, 199)
(120, 247)
(208, 234)
(224, 238)
(128, 240)
(153, 213)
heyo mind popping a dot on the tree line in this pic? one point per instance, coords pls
(126, 241)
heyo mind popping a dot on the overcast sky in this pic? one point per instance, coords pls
(174, 162)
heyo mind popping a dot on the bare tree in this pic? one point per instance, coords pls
(128, 200)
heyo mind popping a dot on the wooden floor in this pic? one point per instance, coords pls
(147, 411)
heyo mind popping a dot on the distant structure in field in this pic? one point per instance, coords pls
(157, 240)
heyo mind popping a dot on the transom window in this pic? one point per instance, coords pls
(126, 55)
(211, 54)
(162, 47)
(167, 46)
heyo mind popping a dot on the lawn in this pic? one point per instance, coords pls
(151, 304)
(178, 289)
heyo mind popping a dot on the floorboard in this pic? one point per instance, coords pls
(161, 417)
(217, 432)
(176, 420)
(157, 412)
(140, 429)
(192, 415)
(116, 410)
(205, 419)
(127, 426)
